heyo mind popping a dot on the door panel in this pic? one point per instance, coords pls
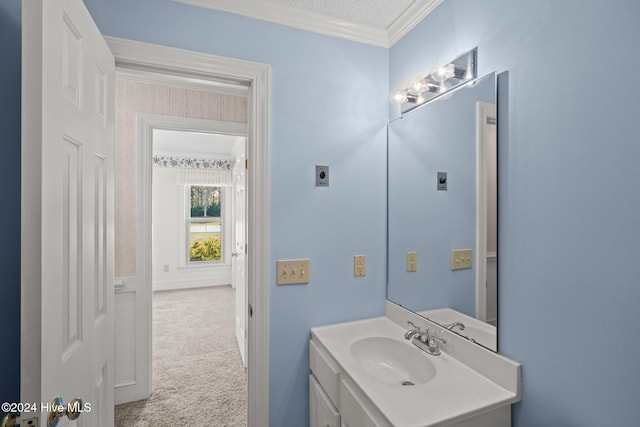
(67, 211)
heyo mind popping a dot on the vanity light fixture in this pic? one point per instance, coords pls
(445, 78)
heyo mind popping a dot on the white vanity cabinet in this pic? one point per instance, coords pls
(365, 374)
(323, 413)
(335, 400)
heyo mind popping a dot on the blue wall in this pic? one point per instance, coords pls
(569, 276)
(329, 107)
(10, 47)
(569, 202)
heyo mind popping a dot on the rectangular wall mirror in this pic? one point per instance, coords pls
(442, 211)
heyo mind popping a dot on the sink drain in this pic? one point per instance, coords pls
(407, 383)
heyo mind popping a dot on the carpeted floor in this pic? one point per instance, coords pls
(198, 377)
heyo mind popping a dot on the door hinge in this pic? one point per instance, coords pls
(246, 248)
(250, 311)
(246, 163)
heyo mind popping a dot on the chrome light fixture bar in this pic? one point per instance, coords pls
(445, 78)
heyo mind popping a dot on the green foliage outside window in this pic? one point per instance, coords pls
(209, 250)
(205, 201)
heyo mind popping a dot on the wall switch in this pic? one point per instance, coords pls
(322, 176)
(359, 265)
(442, 181)
(461, 259)
(412, 262)
(293, 271)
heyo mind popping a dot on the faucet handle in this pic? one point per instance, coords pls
(433, 338)
(413, 325)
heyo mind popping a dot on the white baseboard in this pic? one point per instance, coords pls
(194, 277)
(188, 284)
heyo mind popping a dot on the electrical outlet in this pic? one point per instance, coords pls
(461, 259)
(360, 265)
(293, 271)
(412, 262)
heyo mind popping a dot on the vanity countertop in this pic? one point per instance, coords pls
(455, 393)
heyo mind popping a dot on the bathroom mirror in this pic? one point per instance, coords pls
(442, 211)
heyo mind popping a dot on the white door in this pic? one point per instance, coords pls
(67, 212)
(238, 257)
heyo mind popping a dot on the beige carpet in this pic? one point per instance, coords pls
(198, 377)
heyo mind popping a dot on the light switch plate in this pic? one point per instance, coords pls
(293, 271)
(442, 181)
(359, 265)
(461, 259)
(322, 176)
(412, 262)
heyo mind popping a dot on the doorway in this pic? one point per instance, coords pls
(194, 68)
(170, 127)
(40, 379)
(197, 364)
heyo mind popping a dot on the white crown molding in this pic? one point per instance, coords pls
(324, 24)
(410, 18)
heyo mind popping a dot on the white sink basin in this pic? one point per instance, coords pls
(392, 361)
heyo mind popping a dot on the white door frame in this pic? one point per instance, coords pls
(165, 60)
(484, 111)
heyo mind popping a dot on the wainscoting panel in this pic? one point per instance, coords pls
(129, 379)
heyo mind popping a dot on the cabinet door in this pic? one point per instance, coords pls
(356, 410)
(322, 411)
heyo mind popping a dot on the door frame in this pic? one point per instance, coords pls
(257, 77)
(484, 112)
(142, 387)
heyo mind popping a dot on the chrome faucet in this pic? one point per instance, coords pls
(411, 333)
(425, 340)
(450, 326)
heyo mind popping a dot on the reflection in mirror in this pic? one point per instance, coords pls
(442, 235)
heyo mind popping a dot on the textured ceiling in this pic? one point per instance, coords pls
(381, 13)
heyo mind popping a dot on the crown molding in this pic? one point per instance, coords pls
(410, 18)
(324, 24)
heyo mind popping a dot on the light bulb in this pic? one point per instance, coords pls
(401, 97)
(421, 85)
(443, 73)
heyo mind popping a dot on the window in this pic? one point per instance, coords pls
(204, 224)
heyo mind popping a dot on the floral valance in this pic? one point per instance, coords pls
(191, 163)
